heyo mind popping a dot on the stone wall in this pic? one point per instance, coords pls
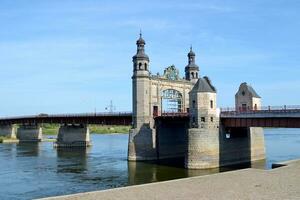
(171, 138)
(141, 145)
(203, 149)
(241, 145)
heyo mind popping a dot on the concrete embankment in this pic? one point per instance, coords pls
(279, 183)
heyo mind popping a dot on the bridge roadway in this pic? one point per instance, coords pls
(284, 117)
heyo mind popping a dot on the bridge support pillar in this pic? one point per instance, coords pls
(29, 133)
(257, 143)
(241, 145)
(73, 136)
(8, 131)
(141, 144)
(203, 148)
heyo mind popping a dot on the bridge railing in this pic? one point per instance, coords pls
(263, 109)
(174, 114)
(43, 115)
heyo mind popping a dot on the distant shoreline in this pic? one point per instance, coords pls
(52, 129)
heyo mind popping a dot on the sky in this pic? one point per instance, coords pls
(74, 56)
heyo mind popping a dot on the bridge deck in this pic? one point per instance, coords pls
(281, 118)
(288, 118)
(124, 118)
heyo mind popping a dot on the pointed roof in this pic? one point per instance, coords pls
(140, 40)
(191, 61)
(250, 89)
(140, 54)
(204, 85)
(191, 53)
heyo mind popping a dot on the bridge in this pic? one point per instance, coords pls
(104, 118)
(172, 118)
(271, 117)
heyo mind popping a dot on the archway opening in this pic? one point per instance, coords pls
(171, 101)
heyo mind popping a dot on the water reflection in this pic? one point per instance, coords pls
(72, 160)
(28, 149)
(146, 172)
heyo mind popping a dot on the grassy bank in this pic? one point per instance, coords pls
(108, 129)
(2, 138)
(52, 129)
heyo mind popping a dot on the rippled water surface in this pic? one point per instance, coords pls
(38, 170)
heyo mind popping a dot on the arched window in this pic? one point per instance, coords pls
(193, 76)
(196, 74)
(140, 66)
(145, 66)
(171, 101)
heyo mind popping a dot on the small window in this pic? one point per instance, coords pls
(196, 74)
(194, 103)
(212, 119)
(211, 104)
(193, 76)
(140, 66)
(202, 119)
(145, 66)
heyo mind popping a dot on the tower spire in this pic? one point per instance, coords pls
(191, 70)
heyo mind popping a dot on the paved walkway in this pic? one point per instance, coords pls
(280, 183)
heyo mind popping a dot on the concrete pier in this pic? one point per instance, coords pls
(72, 136)
(8, 131)
(241, 145)
(257, 143)
(277, 184)
(29, 133)
(141, 145)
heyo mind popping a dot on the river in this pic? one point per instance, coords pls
(38, 170)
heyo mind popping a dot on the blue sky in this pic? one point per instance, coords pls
(63, 56)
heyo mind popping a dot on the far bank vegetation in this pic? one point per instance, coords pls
(52, 129)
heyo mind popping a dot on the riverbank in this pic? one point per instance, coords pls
(278, 183)
(8, 140)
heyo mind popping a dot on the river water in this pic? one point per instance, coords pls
(38, 170)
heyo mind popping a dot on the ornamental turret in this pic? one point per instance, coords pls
(191, 70)
(140, 59)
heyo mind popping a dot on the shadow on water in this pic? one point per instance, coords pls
(168, 169)
(147, 172)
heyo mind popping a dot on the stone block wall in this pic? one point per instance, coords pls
(203, 148)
